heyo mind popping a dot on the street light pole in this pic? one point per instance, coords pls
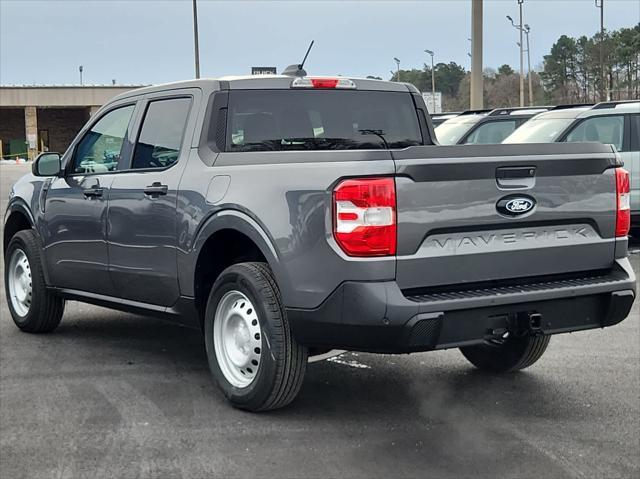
(80, 68)
(398, 67)
(433, 82)
(520, 2)
(527, 29)
(195, 38)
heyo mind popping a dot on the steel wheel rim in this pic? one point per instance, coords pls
(237, 339)
(20, 285)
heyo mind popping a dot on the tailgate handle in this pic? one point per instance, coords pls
(516, 177)
(517, 172)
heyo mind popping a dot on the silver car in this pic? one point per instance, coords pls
(615, 123)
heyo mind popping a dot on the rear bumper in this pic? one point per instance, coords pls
(378, 317)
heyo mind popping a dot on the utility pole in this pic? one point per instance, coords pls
(604, 88)
(195, 38)
(527, 29)
(477, 90)
(521, 45)
(433, 82)
(398, 67)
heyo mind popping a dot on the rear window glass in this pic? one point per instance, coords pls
(539, 130)
(451, 131)
(277, 120)
(491, 132)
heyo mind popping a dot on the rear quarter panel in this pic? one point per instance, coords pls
(287, 195)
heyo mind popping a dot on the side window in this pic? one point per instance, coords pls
(635, 132)
(160, 138)
(100, 149)
(605, 129)
(491, 132)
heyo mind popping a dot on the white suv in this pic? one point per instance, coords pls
(615, 123)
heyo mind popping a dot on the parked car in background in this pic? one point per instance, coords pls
(614, 123)
(440, 118)
(484, 127)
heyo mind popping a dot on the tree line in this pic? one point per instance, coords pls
(571, 73)
(572, 70)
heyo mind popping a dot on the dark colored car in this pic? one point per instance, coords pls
(287, 216)
(484, 127)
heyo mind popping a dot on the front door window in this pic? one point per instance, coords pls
(100, 149)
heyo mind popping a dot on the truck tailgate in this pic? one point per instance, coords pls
(454, 227)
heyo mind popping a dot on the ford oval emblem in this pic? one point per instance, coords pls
(515, 205)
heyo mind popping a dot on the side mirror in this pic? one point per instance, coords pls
(47, 164)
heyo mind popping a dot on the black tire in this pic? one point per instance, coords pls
(46, 309)
(283, 362)
(512, 354)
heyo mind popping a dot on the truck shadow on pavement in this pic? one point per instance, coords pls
(396, 385)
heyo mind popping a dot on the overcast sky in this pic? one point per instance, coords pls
(151, 41)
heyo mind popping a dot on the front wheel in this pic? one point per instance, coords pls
(507, 355)
(33, 308)
(251, 352)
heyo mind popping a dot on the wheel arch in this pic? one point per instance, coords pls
(17, 218)
(227, 238)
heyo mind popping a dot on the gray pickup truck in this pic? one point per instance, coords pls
(287, 216)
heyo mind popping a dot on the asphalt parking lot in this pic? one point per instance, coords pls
(110, 394)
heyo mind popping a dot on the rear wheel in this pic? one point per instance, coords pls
(33, 308)
(507, 355)
(251, 353)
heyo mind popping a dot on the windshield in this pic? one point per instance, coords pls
(276, 120)
(451, 131)
(539, 130)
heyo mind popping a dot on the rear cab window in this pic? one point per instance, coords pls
(283, 120)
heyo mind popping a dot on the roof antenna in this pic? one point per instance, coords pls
(298, 70)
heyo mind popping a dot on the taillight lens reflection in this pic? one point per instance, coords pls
(623, 202)
(365, 216)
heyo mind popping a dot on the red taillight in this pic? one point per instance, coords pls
(364, 219)
(324, 82)
(623, 203)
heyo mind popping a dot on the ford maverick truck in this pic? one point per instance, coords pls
(287, 216)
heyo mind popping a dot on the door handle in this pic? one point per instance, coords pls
(92, 192)
(156, 189)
